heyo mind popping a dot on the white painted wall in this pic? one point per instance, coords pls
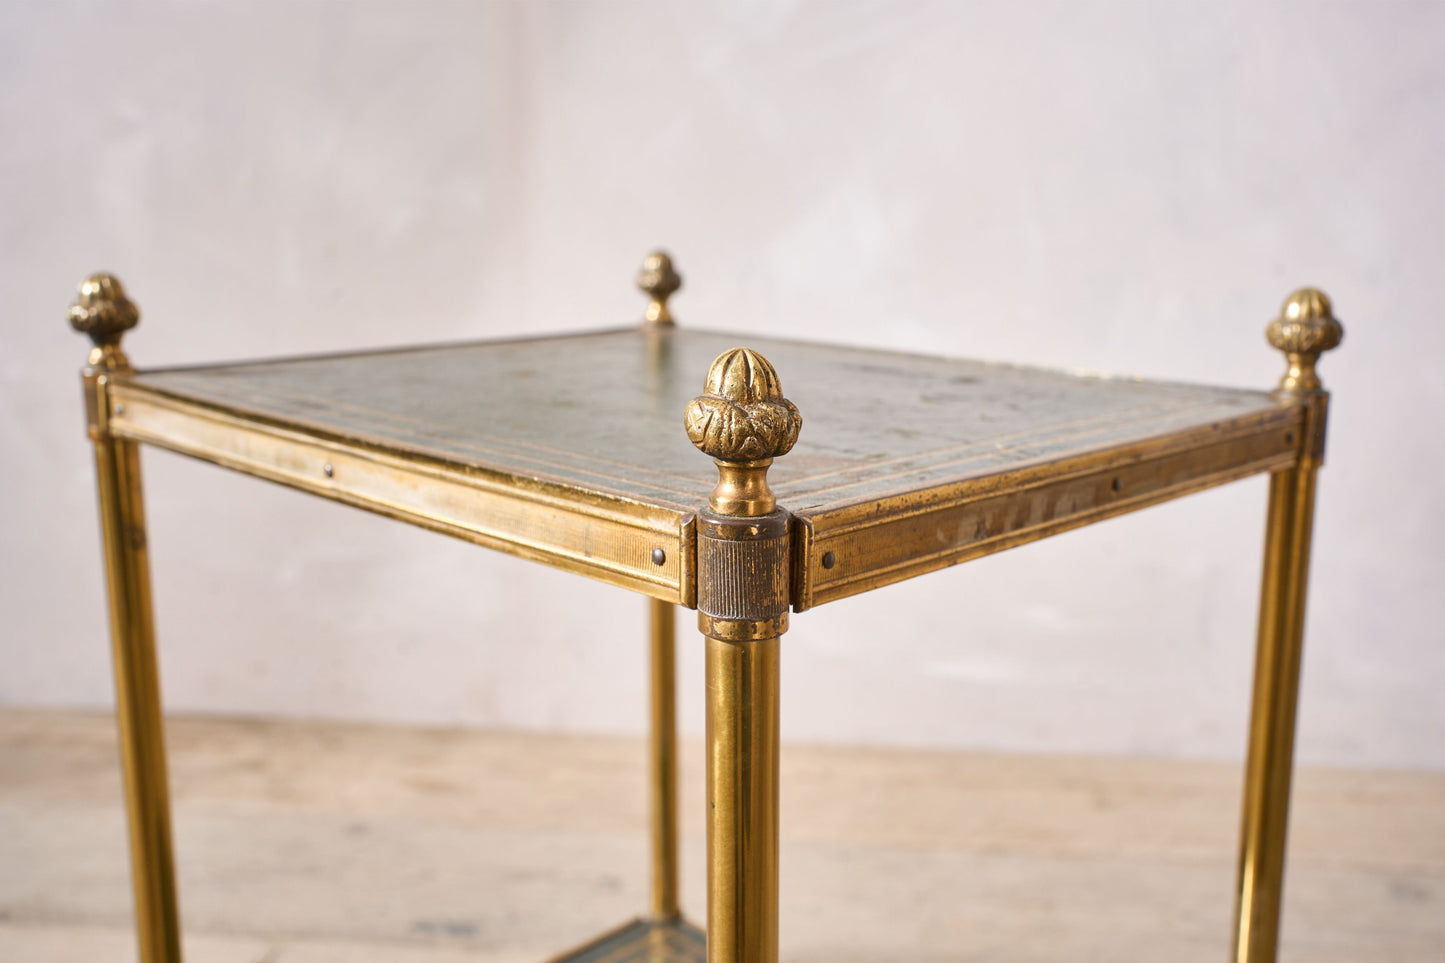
(1132, 187)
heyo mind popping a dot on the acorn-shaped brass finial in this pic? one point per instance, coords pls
(103, 312)
(743, 421)
(1305, 329)
(658, 281)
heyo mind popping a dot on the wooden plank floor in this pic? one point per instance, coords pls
(305, 842)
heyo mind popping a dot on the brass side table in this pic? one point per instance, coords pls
(568, 451)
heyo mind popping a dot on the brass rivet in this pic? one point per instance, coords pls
(328, 470)
(829, 560)
(658, 556)
(1115, 485)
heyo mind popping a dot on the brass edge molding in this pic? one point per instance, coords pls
(882, 576)
(1091, 489)
(1282, 425)
(567, 497)
(659, 281)
(543, 470)
(687, 559)
(803, 571)
(564, 530)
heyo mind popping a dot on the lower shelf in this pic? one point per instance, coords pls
(644, 941)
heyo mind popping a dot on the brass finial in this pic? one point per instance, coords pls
(743, 421)
(102, 311)
(658, 281)
(1305, 329)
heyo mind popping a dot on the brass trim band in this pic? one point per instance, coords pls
(893, 540)
(606, 539)
(743, 566)
(742, 630)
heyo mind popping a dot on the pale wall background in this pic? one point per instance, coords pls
(1131, 187)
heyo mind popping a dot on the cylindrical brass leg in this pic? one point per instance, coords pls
(742, 792)
(1272, 725)
(138, 701)
(744, 563)
(104, 313)
(1306, 327)
(663, 760)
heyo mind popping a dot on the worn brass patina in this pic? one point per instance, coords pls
(566, 451)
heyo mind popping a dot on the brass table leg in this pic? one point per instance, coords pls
(742, 790)
(103, 312)
(1305, 329)
(659, 281)
(664, 760)
(743, 565)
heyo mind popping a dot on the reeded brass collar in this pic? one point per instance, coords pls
(658, 281)
(104, 313)
(1305, 329)
(743, 421)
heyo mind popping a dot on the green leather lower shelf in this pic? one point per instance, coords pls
(644, 941)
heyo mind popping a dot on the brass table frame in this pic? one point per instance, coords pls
(743, 563)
